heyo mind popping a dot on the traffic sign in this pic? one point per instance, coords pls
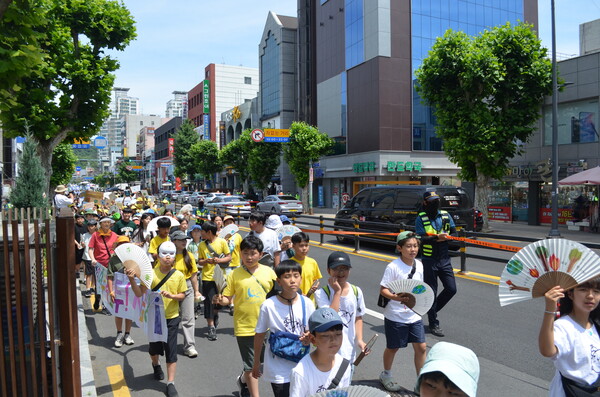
(100, 142)
(77, 168)
(257, 135)
(277, 135)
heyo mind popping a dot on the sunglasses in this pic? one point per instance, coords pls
(164, 254)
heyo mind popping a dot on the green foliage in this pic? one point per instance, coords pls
(67, 95)
(237, 153)
(104, 180)
(487, 91)
(306, 144)
(185, 138)
(125, 173)
(206, 158)
(263, 162)
(63, 164)
(28, 191)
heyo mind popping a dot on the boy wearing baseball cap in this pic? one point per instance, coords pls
(449, 370)
(346, 299)
(324, 368)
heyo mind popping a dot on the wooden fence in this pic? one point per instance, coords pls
(38, 307)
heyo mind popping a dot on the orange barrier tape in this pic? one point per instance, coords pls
(485, 244)
(347, 232)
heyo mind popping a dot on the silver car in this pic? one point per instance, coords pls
(229, 205)
(280, 205)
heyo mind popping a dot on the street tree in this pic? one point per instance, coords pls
(67, 95)
(63, 164)
(487, 92)
(28, 191)
(263, 161)
(105, 179)
(307, 144)
(206, 158)
(185, 138)
(236, 154)
(126, 173)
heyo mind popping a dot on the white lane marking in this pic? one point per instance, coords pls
(374, 314)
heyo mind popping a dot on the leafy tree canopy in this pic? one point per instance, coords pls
(63, 164)
(306, 144)
(67, 95)
(206, 158)
(237, 153)
(185, 138)
(486, 91)
(263, 162)
(125, 172)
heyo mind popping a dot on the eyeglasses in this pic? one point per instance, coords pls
(164, 254)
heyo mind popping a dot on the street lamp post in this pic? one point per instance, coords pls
(554, 233)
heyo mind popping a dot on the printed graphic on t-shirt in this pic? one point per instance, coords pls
(595, 359)
(346, 316)
(321, 388)
(293, 325)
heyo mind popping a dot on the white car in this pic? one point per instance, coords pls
(211, 196)
(280, 205)
(229, 205)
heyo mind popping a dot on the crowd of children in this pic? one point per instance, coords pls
(281, 308)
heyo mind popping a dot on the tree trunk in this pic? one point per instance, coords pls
(3, 7)
(305, 201)
(482, 198)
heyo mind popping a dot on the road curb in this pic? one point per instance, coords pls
(88, 383)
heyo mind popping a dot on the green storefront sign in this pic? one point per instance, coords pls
(206, 96)
(401, 166)
(363, 167)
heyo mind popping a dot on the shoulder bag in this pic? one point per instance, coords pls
(213, 253)
(287, 345)
(339, 375)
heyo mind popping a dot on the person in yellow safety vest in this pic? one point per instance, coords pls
(433, 225)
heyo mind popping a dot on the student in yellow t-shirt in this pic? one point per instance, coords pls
(186, 264)
(234, 242)
(213, 251)
(164, 226)
(310, 268)
(173, 292)
(249, 285)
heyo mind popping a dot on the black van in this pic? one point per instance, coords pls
(391, 208)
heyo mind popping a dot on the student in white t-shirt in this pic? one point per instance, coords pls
(316, 371)
(402, 325)
(345, 298)
(256, 222)
(572, 341)
(288, 312)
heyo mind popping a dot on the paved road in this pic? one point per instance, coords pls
(505, 339)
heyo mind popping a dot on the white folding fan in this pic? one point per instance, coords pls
(353, 391)
(229, 230)
(219, 278)
(421, 296)
(134, 257)
(544, 264)
(153, 225)
(287, 230)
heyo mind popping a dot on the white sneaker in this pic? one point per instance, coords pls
(120, 339)
(191, 353)
(388, 383)
(128, 340)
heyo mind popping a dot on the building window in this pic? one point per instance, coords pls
(247, 80)
(354, 22)
(430, 20)
(577, 122)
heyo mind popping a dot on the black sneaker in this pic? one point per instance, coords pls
(212, 334)
(437, 331)
(106, 312)
(244, 392)
(87, 293)
(216, 320)
(171, 390)
(158, 372)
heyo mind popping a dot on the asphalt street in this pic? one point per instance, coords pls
(504, 339)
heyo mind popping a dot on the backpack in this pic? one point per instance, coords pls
(328, 291)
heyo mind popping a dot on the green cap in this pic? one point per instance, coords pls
(406, 234)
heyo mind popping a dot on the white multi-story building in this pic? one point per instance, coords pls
(134, 124)
(178, 106)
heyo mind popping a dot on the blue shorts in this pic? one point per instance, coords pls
(399, 335)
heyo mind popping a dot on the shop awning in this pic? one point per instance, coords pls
(587, 177)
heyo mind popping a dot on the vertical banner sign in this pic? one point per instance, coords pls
(206, 126)
(171, 146)
(206, 96)
(222, 133)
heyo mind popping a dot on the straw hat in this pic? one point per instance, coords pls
(60, 189)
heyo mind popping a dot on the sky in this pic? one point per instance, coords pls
(177, 39)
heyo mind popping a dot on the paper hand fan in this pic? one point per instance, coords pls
(219, 279)
(134, 257)
(353, 391)
(421, 296)
(228, 231)
(287, 230)
(539, 266)
(153, 226)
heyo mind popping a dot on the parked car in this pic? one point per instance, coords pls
(229, 205)
(478, 220)
(210, 196)
(397, 207)
(280, 205)
(194, 198)
(174, 195)
(183, 197)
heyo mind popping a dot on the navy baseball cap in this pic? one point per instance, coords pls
(323, 319)
(430, 196)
